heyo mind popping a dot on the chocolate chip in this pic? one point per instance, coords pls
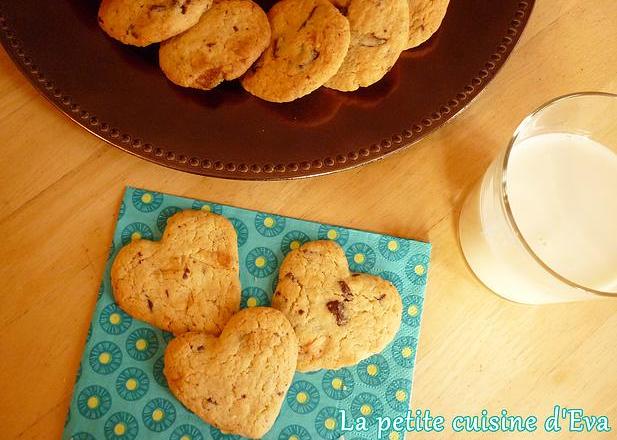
(275, 48)
(139, 254)
(235, 28)
(290, 276)
(167, 293)
(184, 6)
(130, 30)
(150, 305)
(355, 275)
(337, 308)
(277, 293)
(186, 273)
(300, 312)
(200, 348)
(372, 40)
(314, 54)
(211, 400)
(307, 19)
(347, 293)
(382, 296)
(243, 396)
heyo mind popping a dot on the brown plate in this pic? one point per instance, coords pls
(118, 93)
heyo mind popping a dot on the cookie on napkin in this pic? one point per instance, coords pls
(238, 381)
(143, 22)
(228, 39)
(340, 318)
(309, 41)
(188, 281)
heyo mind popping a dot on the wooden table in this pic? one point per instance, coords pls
(60, 188)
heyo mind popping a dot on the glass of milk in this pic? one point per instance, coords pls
(541, 225)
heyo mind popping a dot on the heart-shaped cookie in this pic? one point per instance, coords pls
(188, 281)
(340, 318)
(238, 381)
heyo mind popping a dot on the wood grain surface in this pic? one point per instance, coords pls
(60, 189)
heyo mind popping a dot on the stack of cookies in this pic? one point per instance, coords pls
(299, 46)
(234, 367)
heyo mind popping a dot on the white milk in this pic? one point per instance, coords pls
(563, 194)
(562, 189)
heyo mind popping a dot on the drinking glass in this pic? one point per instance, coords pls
(541, 224)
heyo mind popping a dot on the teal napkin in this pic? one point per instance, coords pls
(121, 393)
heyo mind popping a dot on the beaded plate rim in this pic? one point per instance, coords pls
(213, 167)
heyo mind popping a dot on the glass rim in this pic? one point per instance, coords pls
(504, 190)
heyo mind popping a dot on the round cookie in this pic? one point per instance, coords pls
(378, 36)
(310, 39)
(339, 318)
(228, 39)
(425, 17)
(143, 22)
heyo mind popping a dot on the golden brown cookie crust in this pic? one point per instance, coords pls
(425, 17)
(228, 39)
(309, 41)
(236, 382)
(379, 33)
(186, 282)
(340, 318)
(143, 22)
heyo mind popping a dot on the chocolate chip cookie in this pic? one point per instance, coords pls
(378, 36)
(188, 281)
(236, 382)
(143, 22)
(228, 39)
(340, 318)
(425, 17)
(310, 39)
